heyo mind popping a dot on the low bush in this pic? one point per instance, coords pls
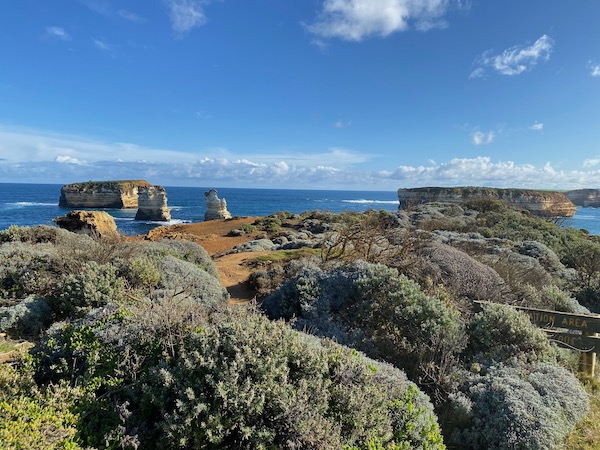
(373, 308)
(501, 333)
(26, 318)
(517, 407)
(158, 378)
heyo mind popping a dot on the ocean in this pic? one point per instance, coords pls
(37, 204)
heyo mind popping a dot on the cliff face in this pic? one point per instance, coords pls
(540, 203)
(216, 208)
(101, 194)
(152, 204)
(585, 197)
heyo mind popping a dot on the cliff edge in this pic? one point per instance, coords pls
(585, 197)
(540, 203)
(101, 194)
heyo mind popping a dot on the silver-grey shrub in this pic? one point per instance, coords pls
(523, 407)
(183, 277)
(373, 308)
(501, 333)
(26, 318)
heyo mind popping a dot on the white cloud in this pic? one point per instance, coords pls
(101, 44)
(185, 14)
(28, 155)
(65, 159)
(131, 16)
(57, 33)
(537, 126)
(594, 69)
(342, 124)
(481, 138)
(353, 20)
(515, 60)
(591, 162)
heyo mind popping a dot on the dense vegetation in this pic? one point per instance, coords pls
(135, 346)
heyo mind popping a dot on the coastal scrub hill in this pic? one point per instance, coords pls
(138, 346)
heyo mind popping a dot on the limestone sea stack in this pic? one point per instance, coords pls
(216, 208)
(585, 197)
(538, 202)
(93, 223)
(152, 204)
(101, 194)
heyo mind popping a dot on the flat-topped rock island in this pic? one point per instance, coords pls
(149, 200)
(538, 202)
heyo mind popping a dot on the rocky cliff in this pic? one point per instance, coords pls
(585, 197)
(216, 208)
(152, 204)
(101, 194)
(540, 203)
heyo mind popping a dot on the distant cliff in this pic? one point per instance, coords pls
(585, 197)
(101, 194)
(152, 204)
(540, 203)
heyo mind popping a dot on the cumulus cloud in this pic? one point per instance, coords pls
(592, 162)
(57, 33)
(28, 155)
(353, 20)
(185, 15)
(537, 126)
(481, 138)
(482, 171)
(594, 69)
(514, 60)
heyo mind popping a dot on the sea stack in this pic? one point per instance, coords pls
(216, 208)
(152, 204)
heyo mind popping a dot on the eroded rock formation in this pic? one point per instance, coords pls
(585, 197)
(216, 208)
(152, 204)
(101, 194)
(540, 203)
(93, 223)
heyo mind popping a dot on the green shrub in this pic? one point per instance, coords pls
(500, 333)
(34, 418)
(373, 308)
(96, 285)
(520, 407)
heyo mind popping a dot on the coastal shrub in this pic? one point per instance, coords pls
(553, 298)
(500, 333)
(228, 380)
(26, 269)
(255, 384)
(269, 224)
(180, 277)
(460, 274)
(25, 318)
(36, 418)
(180, 249)
(584, 256)
(96, 285)
(373, 308)
(141, 272)
(532, 406)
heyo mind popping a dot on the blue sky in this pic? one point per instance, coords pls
(324, 94)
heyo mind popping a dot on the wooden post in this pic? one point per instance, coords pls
(587, 360)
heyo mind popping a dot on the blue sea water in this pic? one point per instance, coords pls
(35, 204)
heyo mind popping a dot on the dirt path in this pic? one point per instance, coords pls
(213, 236)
